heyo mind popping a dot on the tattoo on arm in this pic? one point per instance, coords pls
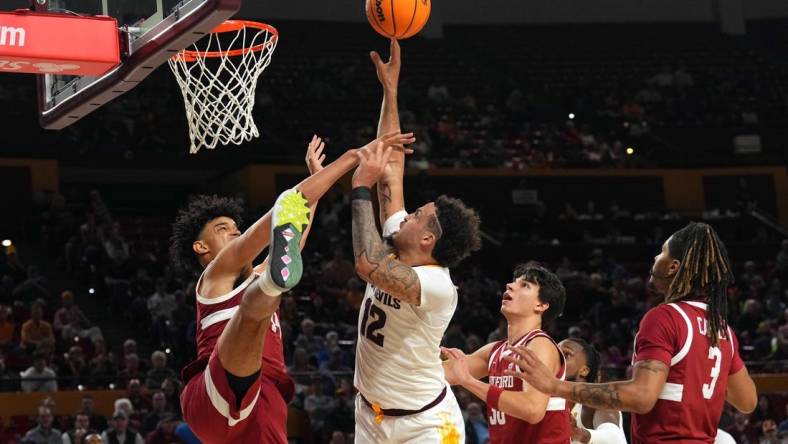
(609, 396)
(651, 366)
(599, 396)
(384, 199)
(372, 256)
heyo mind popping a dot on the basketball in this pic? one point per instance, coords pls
(398, 19)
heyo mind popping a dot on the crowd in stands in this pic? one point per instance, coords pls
(50, 343)
(155, 422)
(599, 102)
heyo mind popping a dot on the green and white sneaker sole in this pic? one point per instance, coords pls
(290, 219)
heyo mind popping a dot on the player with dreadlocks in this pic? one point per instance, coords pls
(686, 362)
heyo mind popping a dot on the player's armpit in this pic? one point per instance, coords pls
(741, 391)
(390, 196)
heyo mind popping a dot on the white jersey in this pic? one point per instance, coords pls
(724, 437)
(608, 436)
(398, 363)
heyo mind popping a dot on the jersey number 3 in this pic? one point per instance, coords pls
(371, 331)
(708, 389)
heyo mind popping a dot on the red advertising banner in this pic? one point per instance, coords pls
(46, 43)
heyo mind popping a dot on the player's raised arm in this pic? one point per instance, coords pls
(314, 163)
(390, 186)
(373, 259)
(241, 251)
(529, 405)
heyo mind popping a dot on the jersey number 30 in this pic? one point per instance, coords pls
(497, 417)
(708, 389)
(371, 331)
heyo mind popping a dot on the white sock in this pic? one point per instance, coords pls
(268, 286)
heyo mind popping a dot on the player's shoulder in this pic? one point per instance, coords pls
(434, 270)
(436, 275)
(544, 345)
(663, 313)
(491, 348)
(486, 350)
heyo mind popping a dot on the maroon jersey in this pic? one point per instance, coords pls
(209, 404)
(688, 409)
(506, 429)
(212, 316)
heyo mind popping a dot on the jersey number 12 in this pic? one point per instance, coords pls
(371, 331)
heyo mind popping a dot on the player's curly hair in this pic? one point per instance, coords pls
(551, 289)
(190, 221)
(705, 271)
(458, 227)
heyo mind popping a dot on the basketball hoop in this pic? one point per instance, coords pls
(218, 82)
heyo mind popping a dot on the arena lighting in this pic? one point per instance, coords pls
(630, 151)
(112, 386)
(167, 350)
(92, 291)
(7, 243)
(80, 387)
(571, 116)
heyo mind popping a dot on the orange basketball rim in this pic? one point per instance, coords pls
(233, 26)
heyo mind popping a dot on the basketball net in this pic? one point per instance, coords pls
(218, 82)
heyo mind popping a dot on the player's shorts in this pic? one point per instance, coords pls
(442, 424)
(209, 407)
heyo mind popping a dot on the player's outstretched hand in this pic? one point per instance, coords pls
(456, 366)
(388, 73)
(533, 371)
(396, 140)
(314, 155)
(371, 163)
(374, 156)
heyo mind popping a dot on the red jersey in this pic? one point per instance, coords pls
(506, 429)
(688, 409)
(214, 313)
(212, 316)
(209, 404)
